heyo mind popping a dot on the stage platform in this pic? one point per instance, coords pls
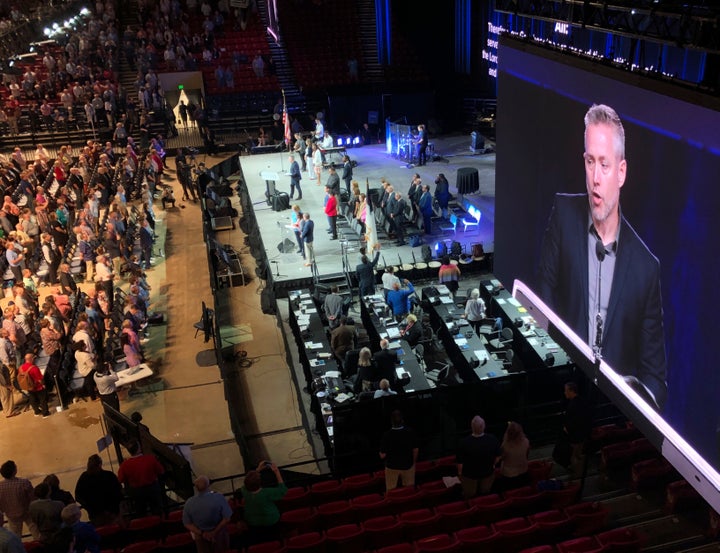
(373, 163)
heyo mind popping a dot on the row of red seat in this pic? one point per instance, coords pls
(419, 531)
(430, 498)
(426, 472)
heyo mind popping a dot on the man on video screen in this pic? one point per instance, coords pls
(597, 274)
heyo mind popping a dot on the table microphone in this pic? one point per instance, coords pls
(600, 253)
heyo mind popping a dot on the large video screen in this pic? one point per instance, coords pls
(670, 197)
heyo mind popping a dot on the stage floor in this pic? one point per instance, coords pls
(373, 164)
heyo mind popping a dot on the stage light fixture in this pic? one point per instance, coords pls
(339, 142)
(356, 141)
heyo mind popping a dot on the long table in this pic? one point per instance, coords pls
(465, 348)
(532, 344)
(319, 365)
(379, 325)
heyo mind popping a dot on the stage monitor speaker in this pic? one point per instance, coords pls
(286, 246)
(477, 141)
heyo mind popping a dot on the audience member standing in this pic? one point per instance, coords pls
(333, 307)
(342, 339)
(397, 298)
(44, 514)
(577, 425)
(99, 492)
(365, 272)
(206, 515)
(87, 540)
(261, 513)
(37, 391)
(141, 474)
(515, 449)
(399, 450)
(15, 497)
(477, 456)
(10, 542)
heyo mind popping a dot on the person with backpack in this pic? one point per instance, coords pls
(30, 380)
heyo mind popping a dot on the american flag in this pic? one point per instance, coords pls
(286, 122)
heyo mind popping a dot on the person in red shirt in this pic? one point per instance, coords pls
(38, 395)
(141, 475)
(331, 211)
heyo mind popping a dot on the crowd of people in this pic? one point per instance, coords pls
(62, 221)
(73, 86)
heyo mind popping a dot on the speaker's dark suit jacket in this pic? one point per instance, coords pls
(633, 341)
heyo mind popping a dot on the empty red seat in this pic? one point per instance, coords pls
(455, 516)
(642, 449)
(620, 540)
(173, 523)
(359, 484)
(335, 513)
(446, 466)
(580, 545)
(540, 549)
(309, 542)
(404, 499)
(331, 490)
(436, 493)
(141, 547)
(295, 498)
(617, 455)
(267, 547)
(424, 471)
(490, 508)
(539, 469)
(525, 500)
(397, 548)
(32, 546)
(681, 494)
(112, 536)
(348, 538)
(299, 520)
(478, 538)
(383, 530)
(559, 499)
(652, 473)
(438, 542)
(552, 526)
(516, 533)
(587, 518)
(178, 543)
(419, 523)
(145, 528)
(369, 505)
